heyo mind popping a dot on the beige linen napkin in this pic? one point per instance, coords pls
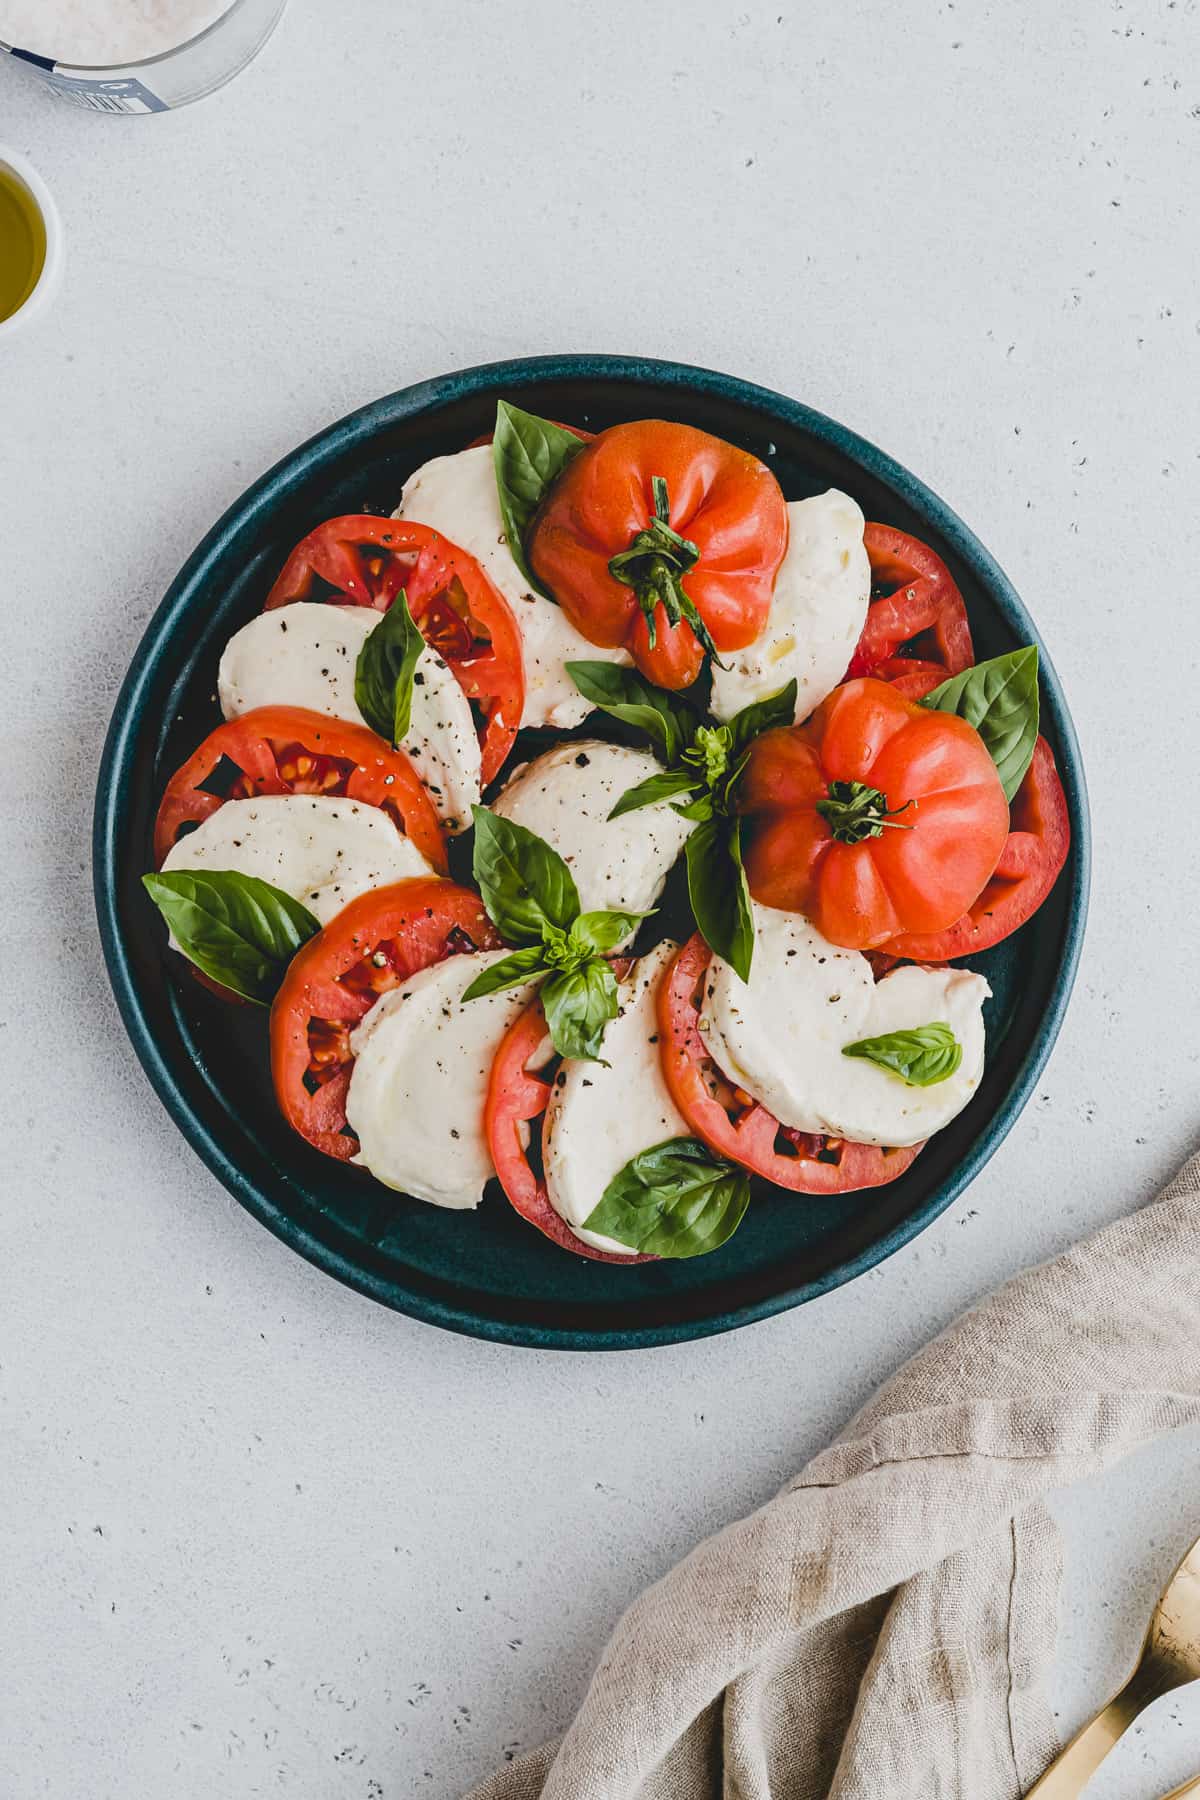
(883, 1626)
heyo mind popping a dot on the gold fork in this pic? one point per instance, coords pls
(1170, 1658)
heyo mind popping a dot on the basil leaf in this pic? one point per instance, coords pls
(699, 809)
(663, 786)
(921, 1057)
(1000, 699)
(763, 715)
(604, 930)
(238, 930)
(579, 1003)
(383, 674)
(524, 883)
(528, 455)
(676, 1199)
(667, 722)
(522, 965)
(718, 892)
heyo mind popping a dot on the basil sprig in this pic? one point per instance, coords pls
(533, 902)
(674, 1200)
(528, 455)
(385, 671)
(921, 1057)
(240, 931)
(1000, 699)
(704, 763)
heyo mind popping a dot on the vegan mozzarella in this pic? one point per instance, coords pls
(781, 1034)
(566, 796)
(319, 849)
(419, 1082)
(306, 654)
(456, 495)
(600, 1118)
(817, 613)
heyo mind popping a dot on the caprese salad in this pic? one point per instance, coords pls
(462, 750)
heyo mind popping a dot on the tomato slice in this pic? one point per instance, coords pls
(363, 560)
(736, 1126)
(373, 944)
(288, 750)
(916, 602)
(517, 1095)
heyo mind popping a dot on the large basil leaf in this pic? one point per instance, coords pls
(1000, 699)
(763, 715)
(383, 674)
(240, 931)
(675, 1200)
(528, 455)
(510, 971)
(579, 1003)
(664, 785)
(667, 722)
(525, 885)
(718, 892)
(921, 1057)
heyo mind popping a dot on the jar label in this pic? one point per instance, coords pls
(119, 94)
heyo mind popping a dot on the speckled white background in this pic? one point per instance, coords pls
(258, 1536)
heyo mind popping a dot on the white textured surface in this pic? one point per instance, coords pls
(241, 1549)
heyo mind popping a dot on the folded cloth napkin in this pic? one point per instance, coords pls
(885, 1624)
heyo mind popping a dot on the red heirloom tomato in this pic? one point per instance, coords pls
(916, 601)
(362, 560)
(874, 818)
(665, 540)
(288, 750)
(731, 1122)
(372, 945)
(516, 1096)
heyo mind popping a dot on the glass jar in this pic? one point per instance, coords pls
(173, 78)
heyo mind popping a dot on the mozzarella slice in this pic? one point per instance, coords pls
(600, 1118)
(299, 655)
(817, 613)
(318, 848)
(306, 655)
(456, 495)
(566, 796)
(781, 1034)
(420, 1076)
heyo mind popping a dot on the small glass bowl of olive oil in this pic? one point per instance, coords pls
(30, 243)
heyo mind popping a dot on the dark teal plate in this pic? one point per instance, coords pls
(488, 1273)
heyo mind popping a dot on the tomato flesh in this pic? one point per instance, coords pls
(370, 947)
(735, 1125)
(363, 560)
(517, 1097)
(916, 602)
(288, 750)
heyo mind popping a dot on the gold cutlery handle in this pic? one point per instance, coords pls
(1186, 1792)
(1071, 1771)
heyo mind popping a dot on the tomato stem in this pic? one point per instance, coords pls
(654, 565)
(855, 812)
